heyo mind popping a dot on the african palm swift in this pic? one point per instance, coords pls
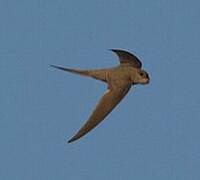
(119, 80)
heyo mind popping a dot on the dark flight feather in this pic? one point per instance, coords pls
(126, 57)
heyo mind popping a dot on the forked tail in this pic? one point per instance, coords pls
(76, 71)
(100, 74)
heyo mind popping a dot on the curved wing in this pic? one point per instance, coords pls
(109, 100)
(126, 57)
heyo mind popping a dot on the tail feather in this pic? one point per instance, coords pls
(76, 71)
(100, 74)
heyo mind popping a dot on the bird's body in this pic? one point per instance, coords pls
(119, 80)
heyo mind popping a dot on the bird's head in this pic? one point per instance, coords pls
(141, 77)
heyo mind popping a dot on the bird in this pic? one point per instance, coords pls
(119, 80)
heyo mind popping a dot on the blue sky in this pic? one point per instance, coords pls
(153, 134)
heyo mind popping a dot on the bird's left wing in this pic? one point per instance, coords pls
(109, 100)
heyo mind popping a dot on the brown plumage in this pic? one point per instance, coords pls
(119, 80)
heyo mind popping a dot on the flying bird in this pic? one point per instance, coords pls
(119, 79)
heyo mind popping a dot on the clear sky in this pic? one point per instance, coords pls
(153, 134)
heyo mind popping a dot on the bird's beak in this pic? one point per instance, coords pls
(145, 81)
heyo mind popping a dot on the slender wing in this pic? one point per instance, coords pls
(126, 57)
(109, 100)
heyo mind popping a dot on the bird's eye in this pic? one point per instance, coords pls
(141, 74)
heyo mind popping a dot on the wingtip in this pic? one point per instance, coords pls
(71, 140)
(118, 50)
(113, 50)
(75, 138)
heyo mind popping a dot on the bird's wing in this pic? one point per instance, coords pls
(128, 58)
(109, 100)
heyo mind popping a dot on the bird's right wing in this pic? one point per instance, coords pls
(126, 57)
(109, 100)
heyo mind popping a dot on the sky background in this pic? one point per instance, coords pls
(153, 134)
